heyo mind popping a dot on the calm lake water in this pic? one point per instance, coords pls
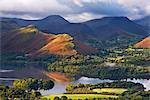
(4, 71)
(60, 87)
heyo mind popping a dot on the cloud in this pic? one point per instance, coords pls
(138, 8)
(82, 17)
(74, 10)
(107, 8)
(33, 8)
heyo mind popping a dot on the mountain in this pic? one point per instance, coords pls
(143, 21)
(106, 32)
(56, 24)
(103, 28)
(7, 25)
(145, 43)
(108, 27)
(30, 40)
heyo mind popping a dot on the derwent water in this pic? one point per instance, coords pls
(60, 86)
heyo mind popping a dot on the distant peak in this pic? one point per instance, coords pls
(110, 19)
(143, 18)
(54, 16)
(117, 17)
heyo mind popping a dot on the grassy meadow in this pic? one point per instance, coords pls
(80, 96)
(110, 90)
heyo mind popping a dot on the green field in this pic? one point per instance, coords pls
(80, 96)
(110, 90)
(90, 96)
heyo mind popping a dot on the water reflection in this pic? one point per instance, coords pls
(4, 71)
(60, 87)
(145, 82)
(57, 89)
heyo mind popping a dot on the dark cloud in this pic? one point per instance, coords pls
(74, 10)
(105, 8)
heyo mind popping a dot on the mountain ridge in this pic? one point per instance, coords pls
(30, 40)
(92, 28)
(145, 21)
(105, 32)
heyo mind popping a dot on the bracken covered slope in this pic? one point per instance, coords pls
(30, 40)
(145, 43)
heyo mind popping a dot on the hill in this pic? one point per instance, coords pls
(56, 24)
(113, 26)
(143, 21)
(145, 43)
(30, 40)
(103, 28)
(106, 32)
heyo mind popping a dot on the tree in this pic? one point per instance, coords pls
(33, 84)
(64, 98)
(48, 84)
(56, 98)
(70, 87)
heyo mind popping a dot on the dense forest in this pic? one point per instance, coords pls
(112, 64)
(130, 91)
(26, 89)
(106, 64)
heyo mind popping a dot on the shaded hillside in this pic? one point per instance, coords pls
(145, 43)
(106, 32)
(103, 28)
(8, 25)
(30, 40)
(143, 21)
(56, 24)
(84, 49)
(108, 27)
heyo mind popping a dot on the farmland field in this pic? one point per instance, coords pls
(80, 96)
(110, 90)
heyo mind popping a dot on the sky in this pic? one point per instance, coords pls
(74, 10)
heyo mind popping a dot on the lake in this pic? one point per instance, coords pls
(60, 86)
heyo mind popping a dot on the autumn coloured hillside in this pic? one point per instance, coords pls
(55, 35)
(30, 40)
(145, 43)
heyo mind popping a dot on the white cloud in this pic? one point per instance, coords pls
(32, 7)
(148, 9)
(138, 8)
(77, 2)
(82, 17)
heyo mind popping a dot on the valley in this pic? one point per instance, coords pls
(100, 51)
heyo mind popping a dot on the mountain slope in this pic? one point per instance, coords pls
(143, 21)
(113, 26)
(60, 44)
(145, 43)
(56, 24)
(30, 40)
(105, 32)
(103, 28)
